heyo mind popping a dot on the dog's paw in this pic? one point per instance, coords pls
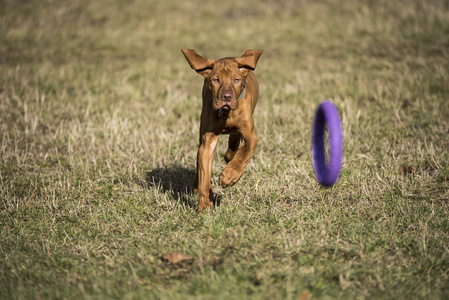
(205, 205)
(229, 177)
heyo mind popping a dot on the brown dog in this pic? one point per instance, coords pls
(230, 94)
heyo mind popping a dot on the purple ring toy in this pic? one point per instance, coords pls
(327, 172)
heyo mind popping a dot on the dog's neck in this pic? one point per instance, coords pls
(244, 85)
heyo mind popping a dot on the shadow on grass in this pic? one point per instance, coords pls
(178, 181)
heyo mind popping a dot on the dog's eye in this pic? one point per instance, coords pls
(215, 80)
(237, 80)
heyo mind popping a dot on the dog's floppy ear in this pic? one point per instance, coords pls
(249, 60)
(200, 65)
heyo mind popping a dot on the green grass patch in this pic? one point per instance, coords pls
(99, 121)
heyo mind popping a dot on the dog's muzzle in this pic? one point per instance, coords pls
(222, 110)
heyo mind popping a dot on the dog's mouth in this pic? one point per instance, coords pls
(222, 110)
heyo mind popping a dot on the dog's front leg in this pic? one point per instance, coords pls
(234, 170)
(206, 151)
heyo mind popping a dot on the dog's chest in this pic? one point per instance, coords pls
(228, 130)
(228, 125)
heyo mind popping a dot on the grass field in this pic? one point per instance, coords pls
(99, 120)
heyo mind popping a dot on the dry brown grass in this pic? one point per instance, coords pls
(99, 118)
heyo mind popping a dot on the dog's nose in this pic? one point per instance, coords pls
(226, 97)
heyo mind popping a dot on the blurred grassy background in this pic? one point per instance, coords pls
(99, 118)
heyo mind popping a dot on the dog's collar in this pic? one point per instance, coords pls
(244, 86)
(221, 111)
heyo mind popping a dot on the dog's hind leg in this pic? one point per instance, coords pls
(235, 139)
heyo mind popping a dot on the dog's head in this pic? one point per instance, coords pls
(225, 77)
